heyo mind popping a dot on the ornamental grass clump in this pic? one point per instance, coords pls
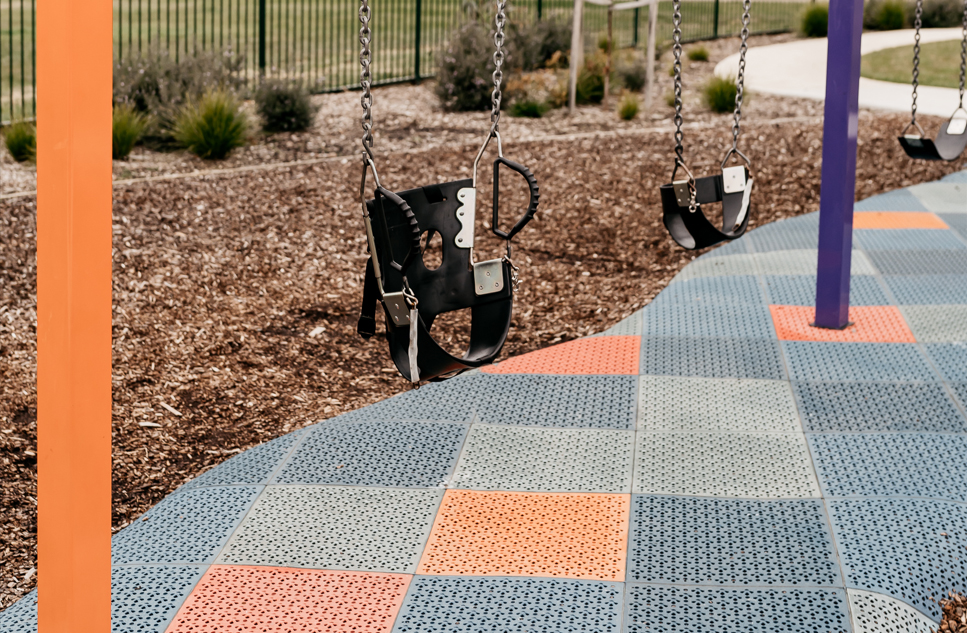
(127, 127)
(698, 54)
(628, 106)
(213, 127)
(719, 94)
(284, 106)
(21, 141)
(815, 20)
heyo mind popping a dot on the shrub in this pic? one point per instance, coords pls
(127, 127)
(719, 94)
(542, 44)
(538, 87)
(884, 15)
(941, 13)
(628, 106)
(815, 20)
(465, 75)
(670, 98)
(284, 106)
(698, 54)
(634, 75)
(590, 84)
(21, 141)
(529, 108)
(212, 128)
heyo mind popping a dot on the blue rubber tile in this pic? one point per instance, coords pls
(958, 176)
(902, 362)
(743, 289)
(705, 541)
(951, 360)
(443, 604)
(711, 357)
(910, 549)
(908, 239)
(21, 616)
(145, 599)
(787, 240)
(655, 609)
(735, 247)
(928, 289)
(714, 321)
(891, 465)
(933, 262)
(447, 401)
(599, 402)
(898, 200)
(253, 466)
(387, 454)
(960, 389)
(942, 197)
(184, 528)
(867, 407)
(957, 223)
(800, 290)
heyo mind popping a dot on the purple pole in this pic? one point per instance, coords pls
(839, 163)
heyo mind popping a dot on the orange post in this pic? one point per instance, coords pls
(74, 59)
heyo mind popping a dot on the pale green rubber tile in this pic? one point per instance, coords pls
(673, 403)
(497, 457)
(803, 262)
(937, 324)
(876, 613)
(720, 464)
(718, 266)
(630, 326)
(942, 197)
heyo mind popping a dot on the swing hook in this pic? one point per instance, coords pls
(916, 124)
(685, 191)
(734, 151)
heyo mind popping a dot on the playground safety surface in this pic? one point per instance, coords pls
(710, 463)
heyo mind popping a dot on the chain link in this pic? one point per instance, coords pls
(740, 78)
(963, 56)
(499, 22)
(677, 50)
(917, 22)
(365, 76)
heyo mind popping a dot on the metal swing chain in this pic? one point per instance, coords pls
(365, 76)
(677, 50)
(740, 78)
(499, 21)
(917, 22)
(963, 56)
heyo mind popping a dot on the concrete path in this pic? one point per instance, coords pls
(798, 69)
(709, 464)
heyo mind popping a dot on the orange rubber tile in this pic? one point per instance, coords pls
(897, 220)
(871, 324)
(562, 535)
(598, 355)
(257, 599)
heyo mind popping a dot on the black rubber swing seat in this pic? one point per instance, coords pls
(693, 230)
(946, 146)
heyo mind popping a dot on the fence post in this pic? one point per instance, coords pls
(540, 10)
(715, 20)
(417, 33)
(261, 38)
(634, 41)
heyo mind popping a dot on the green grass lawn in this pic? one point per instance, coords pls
(939, 64)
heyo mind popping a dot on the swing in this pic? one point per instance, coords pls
(952, 137)
(411, 293)
(682, 200)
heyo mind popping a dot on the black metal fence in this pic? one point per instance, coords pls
(316, 41)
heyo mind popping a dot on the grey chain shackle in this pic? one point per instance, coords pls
(740, 78)
(499, 22)
(365, 76)
(677, 50)
(917, 22)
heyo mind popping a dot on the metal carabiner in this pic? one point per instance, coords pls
(500, 150)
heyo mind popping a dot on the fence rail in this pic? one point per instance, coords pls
(315, 41)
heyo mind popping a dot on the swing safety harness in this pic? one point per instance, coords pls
(682, 200)
(952, 137)
(412, 294)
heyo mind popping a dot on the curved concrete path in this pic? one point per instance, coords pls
(709, 464)
(798, 69)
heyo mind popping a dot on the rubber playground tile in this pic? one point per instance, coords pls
(875, 613)
(839, 362)
(960, 389)
(711, 357)
(738, 290)
(891, 465)
(869, 407)
(951, 360)
(723, 464)
(896, 220)
(803, 262)
(605, 402)
(713, 265)
(957, 223)
(799, 233)
(800, 290)
(870, 324)
(735, 247)
(629, 326)
(447, 401)
(896, 200)
(253, 466)
(21, 616)
(938, 324)
(388, 454)
(713, 321)
(933, 262)
(909, 549)
(731, 542)
(545, 460)
(257, 599)
(145, 599)
(928, 289)
(186, 527)
(328, 527)
(673, 403)
(529, 534)
(601, 355)
(956, 177)
(941, 197)
(437, 604)
(908, 239)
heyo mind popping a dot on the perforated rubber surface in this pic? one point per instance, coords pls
(869, 324)
(938, 324)
(742, 290)
(928, 289)
(899, 200)
(903, 262)
(907, 239)
(713, 321)
(800, 290)
(876, 613)
(856, 361)
(711, 357)
(896, 220)
(594, 355)
(253, 466)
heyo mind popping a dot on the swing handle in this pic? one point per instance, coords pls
(535, 196)
(415, 233)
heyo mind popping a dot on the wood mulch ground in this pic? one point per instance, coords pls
(220, 280)
(954, 614)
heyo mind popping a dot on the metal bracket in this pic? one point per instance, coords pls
(397, 307)
(488, 277)
(466, 214)
(683, 193)
(733, 179)
(956, 127)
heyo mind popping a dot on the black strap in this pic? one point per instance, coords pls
(366, 326)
